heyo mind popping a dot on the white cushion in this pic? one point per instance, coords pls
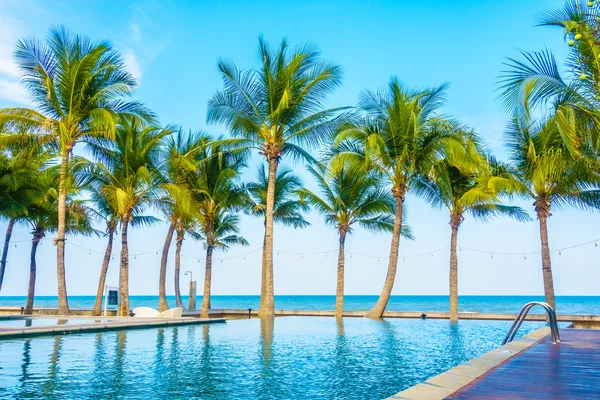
(171, 313)
(145, 312)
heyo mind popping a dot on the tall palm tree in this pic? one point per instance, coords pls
(42, 217)
(128, 175)
(287, 207)
(549, 168)
(19, 166)
(182, 152)
(348, 198)
(402, 137)
(218, 195)
(459, 190)
(278, 110)
(78, 87)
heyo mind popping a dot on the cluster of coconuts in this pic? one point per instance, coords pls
(578, 36)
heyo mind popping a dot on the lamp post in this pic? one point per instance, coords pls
(192, 296)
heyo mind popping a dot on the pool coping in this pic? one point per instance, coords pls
(447, 383)
(132, 323)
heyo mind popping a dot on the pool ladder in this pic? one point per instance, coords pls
(521, 317)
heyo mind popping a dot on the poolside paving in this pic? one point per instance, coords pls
(569, 370)
(118, 323)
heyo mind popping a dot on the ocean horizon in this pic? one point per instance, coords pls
(416, 303)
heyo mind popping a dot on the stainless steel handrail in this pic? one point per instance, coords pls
(521, 317)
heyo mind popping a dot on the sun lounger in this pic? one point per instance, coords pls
(148, 312)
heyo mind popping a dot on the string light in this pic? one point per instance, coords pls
(351, 254)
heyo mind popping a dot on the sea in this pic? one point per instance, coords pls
(484, 304)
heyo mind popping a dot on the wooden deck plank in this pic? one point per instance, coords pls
(569, 370)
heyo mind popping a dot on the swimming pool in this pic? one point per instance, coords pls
(290, 357)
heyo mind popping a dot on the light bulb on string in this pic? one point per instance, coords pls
(524, 257)
(491, 255)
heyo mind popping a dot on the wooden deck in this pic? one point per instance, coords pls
(569, 370)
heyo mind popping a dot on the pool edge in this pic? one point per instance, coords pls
(452, 380)
(103, 327)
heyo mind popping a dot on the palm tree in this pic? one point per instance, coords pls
(42, 217)
(218, 195)
(277, 110)
(19, 166)
(348, 198)
(287, 207)
(402, 137)
(103, 210)
(574, 96)
(548, 167)
(78, 87)
(182, 151)
(128, 176)
(458, 189)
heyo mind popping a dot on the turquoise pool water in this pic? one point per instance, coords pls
(291, 357)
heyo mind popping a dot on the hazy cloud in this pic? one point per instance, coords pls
(132, 64)
(10, 86)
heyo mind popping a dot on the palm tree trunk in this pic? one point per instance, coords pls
(103, 271)
(455, 222)
(339, 293)
(178, 244)
(268, 308)
(37, 236)
(263, 270)
(379, 308)
(542, 207)
(63, 304)
(9, 230)
(124, 272)
(162, 280)
(207, 283)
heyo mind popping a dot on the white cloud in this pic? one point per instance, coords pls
(14, 92)
(136, 33)
(132, 64)
(10, 88)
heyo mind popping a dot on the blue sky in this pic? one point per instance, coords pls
(172, 48)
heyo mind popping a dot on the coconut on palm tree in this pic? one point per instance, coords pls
(128, 176)
(401, 138)
(277, 110)
(287, 207)
(346, 199)
(78, 87)
(218, 196)
(456, 186)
